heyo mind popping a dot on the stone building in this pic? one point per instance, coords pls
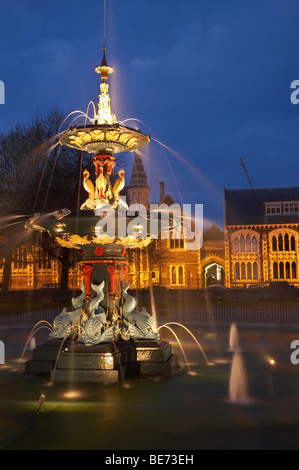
(261, 231)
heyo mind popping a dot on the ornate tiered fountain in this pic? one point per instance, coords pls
(104, 337)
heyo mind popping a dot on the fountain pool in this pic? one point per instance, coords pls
(188, 411)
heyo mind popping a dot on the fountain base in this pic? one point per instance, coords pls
(106, 362)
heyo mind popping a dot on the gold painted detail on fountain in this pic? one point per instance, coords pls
(76, 242)
(81, 138)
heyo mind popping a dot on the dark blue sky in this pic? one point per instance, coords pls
(209, 78)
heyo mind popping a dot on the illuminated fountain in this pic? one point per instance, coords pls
(104, 315)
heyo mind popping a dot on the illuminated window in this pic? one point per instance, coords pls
(293, 243)
(177, 274)
(248, 244)
(255, 276)
(243, 271)
(249, 271)
(242, 243)
(294, 270)
(280, 242)
(275, 270)
(288, 270)
(281, 270)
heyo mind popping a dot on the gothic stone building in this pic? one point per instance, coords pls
(261, 230)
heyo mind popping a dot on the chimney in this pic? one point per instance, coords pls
(162, 190)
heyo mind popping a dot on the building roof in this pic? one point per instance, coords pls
(247, 206)
(167, 200)
(213, 233)
(138, 178)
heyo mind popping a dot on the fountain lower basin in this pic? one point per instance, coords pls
(106, 362)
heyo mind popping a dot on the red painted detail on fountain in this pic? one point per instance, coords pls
(87, 271)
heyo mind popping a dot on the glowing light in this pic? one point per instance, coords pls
(72, 394)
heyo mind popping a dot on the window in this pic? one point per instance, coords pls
(173, 275)
(286, 242)
(283, 208)
(237, 271)
(288, 270)
(249, 271)
(281, 270)
(44, 261)
(237, 245)
(280, 242)
(255, 273)
(254, 245)
(242, 243)
(291, 207)
(177, 243)
(181, 276)
(275, 270)
(20, 259)
(243, 271)
(177, 275)
(294, 270)
(273, 208)
(248, 244)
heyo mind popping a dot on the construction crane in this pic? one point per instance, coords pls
(247, 174)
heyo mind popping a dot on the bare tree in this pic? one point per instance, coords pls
(37, 174)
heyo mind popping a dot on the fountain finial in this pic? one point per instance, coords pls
(104, 115)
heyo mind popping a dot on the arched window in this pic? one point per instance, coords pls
(173, 275)
(254, 245)
(237, 271)
(242, 243)
(281, 270)
(248, 244)
(275, 270)
(255, 271)
(293, 243)
(181, 275)
(288, 270)
(280, 242)
(237, 245)
(294, 270)
(274, 244)
(249, 271)
(243, 271)
(286, 242)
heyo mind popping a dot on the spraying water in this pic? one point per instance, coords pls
(238, 383)
(238, 387)
(234, 342)
(191, 334)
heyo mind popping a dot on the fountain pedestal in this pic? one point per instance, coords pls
(105, 363)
